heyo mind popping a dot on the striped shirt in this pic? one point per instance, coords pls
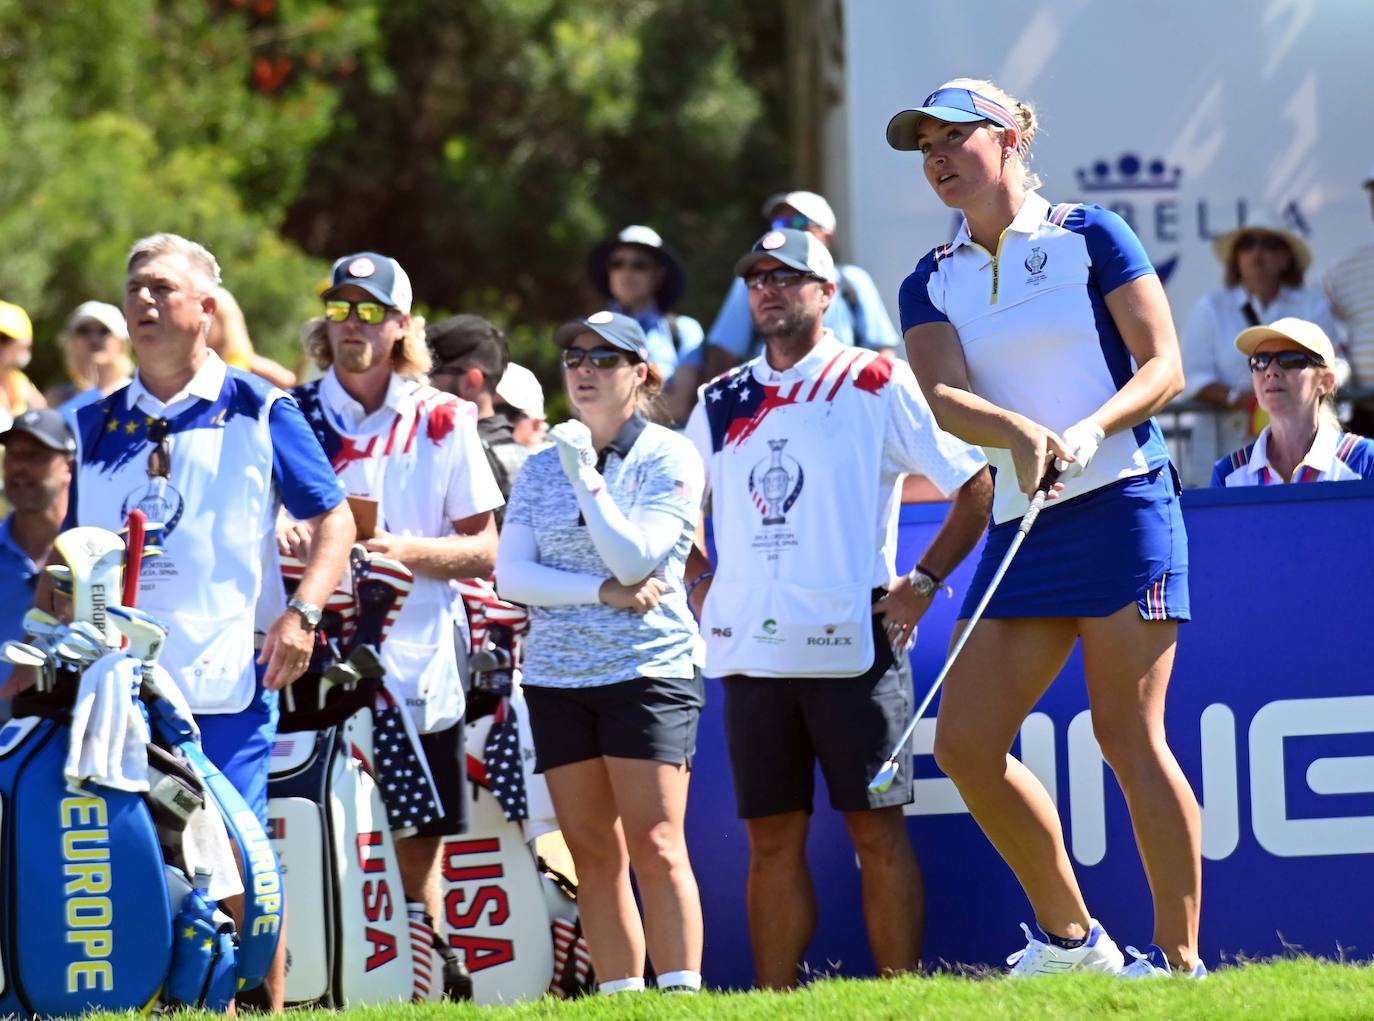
(1349, 286)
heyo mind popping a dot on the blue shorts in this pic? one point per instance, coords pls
(240, 744)
(1089, 557)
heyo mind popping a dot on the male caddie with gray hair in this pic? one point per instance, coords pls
(208, 452)
(806, 620)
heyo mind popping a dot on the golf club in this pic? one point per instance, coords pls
(888, 773)
(144, 633)
(41, 623)
(21, 654)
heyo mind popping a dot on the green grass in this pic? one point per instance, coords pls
(1286, 990)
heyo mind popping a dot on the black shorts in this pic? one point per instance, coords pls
(446, 752)
(652, 718)
(777, 728)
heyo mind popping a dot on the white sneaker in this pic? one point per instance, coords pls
(1041, 957)
(1154, 964)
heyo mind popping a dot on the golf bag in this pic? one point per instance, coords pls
(343, 742)
(513, 917)
(96, 908)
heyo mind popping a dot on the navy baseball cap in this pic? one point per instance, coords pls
(46, 426)
(378, 275)
(798, 249)
(953, 106)
(617, 330)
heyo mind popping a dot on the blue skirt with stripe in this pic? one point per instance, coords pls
(1093, 555)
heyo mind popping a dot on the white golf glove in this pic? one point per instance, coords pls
(576, 453)
(1082, 438)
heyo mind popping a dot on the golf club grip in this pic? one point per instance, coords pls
(133, 557)
(1042, 493)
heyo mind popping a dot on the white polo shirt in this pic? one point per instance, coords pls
(239, 447)
(803, 466)
(1349, 286)
(1036, 333)
(1335, 456)
(419, 456)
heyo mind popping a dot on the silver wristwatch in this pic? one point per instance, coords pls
(308, 612)
(923, 583)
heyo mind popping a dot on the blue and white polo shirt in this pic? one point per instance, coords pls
(239, 447)
(1335, 456)
(1036, 332)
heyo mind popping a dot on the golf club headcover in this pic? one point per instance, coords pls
(402, 771)
(336, 619)
(380, 586)
(95, 559)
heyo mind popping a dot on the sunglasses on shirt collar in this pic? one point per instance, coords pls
(160, 457)
(1260, 360)
(370, 312)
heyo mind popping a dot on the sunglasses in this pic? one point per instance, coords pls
(1268, 242)
(777, 278)
(91, 330)
(369, 312)
(629, 262)
(600, 357)
(794, 222)
(160, 457)
(1287, 360)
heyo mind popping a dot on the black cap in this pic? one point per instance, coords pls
(646, 238)
(472, 340)
(618, 330)
(46, 426)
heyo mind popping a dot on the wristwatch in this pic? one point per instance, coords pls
(308, 612)
(923, 583)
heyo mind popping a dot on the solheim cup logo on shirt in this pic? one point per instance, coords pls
(1035, 265)
(160, 503)
(775, 485)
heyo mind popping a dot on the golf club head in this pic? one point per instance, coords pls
(77, 648)
(21, 654)
(40, 623)
(365, 660)
(884, 778)
(91, 633)
(342, 674)
(145, 633)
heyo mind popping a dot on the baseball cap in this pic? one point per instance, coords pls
(674, 279)
(616, 329)
(808, 203)
(520, 388)
(378, 275)
(469, 338)
(1300, 331)
(46, 426)
(796, 248)
(953, 106)
(14, 322)
(101, 312)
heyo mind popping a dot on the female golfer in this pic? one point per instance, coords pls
(1022, 331)
(596, 536)
(1293, 380)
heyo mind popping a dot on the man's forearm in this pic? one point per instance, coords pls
(453, 556)
(962, 528)
(332, 536)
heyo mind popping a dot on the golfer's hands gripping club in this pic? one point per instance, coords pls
(1034, 450)
(1082, 439)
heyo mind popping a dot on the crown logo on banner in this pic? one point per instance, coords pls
(1129, 173)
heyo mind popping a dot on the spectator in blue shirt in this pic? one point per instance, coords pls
(857, 317)
(39, 448)
(642, 278)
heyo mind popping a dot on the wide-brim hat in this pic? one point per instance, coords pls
(1299, 331)
(674, 278)
(1266, 223)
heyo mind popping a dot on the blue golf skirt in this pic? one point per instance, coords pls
(1089, 557)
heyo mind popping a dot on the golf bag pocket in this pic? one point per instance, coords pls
(203, 954)
(211, 658)
(784, 630)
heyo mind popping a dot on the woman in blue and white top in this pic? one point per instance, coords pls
(596, 536)
(1293, 378)
(1042, 333)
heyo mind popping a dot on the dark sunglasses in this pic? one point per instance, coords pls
(794, 222)
(1286, 359)
(777, 278)
(1269, 242)
(600, 357)
(91, 330)
(369, 312)
(160, 457)
(630, 262)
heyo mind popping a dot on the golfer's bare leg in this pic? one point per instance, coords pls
(418, 861)
(1128, 661)
(781, 899)
(1005, 667)
(893, 892)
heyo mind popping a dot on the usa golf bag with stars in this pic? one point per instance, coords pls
(114, 828)
(514, 918)
(347, 779)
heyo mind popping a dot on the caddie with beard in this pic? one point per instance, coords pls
(805, 619)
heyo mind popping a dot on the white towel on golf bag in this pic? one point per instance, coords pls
(206, 842)
(109, 736)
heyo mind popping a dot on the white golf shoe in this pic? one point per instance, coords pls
(1154, 964)
(1041, 957)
